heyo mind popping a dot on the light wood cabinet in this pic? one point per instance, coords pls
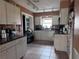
(4, 54)
(21, 47)
(60, 42)
(10, 14)
(13, 50)
(2, 12)
(24, 45)
(13, 14)
(11, 53)
(8, 53)
(64, 16)
(17, 15)
(0, 55)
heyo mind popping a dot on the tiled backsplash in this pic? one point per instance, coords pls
(18, 28)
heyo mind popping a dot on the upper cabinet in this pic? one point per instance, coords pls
(13, 14)
(17, 15)
(2, 12)
(9, 13)
(64, 16)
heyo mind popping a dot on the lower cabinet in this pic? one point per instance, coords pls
(60, 42)
(0, 56)
(4, 55)
(11, 53)
(19, 49)
(14, 51)
(24, 46)
(8, 53)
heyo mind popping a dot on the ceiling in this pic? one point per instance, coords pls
(40, 5)
(47, 4)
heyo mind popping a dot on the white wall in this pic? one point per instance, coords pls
(44, 35)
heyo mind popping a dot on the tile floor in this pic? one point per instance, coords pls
(37, 51)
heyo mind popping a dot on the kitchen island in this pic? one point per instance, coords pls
(14, 48)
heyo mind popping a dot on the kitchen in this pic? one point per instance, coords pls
(16, 18)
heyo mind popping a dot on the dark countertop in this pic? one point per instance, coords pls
(60, 34)
(4, 41)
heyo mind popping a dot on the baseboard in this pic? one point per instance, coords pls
(60, 51)
(22, 57)
(75, 54)
(43, 42)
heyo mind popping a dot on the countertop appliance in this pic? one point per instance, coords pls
(10, 32)
(30, 36)
(3, 34)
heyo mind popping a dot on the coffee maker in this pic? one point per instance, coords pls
(9, 32)
(3, 33)
(0, 35)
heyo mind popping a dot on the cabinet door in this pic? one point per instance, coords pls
(24, 45)
(10, 14)
(64, 16)
(60, 43)
(17, 15)
(4, 55)
(2, 12)
(11, 53)
(13, 14)
(0, 55)
(19, 49)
